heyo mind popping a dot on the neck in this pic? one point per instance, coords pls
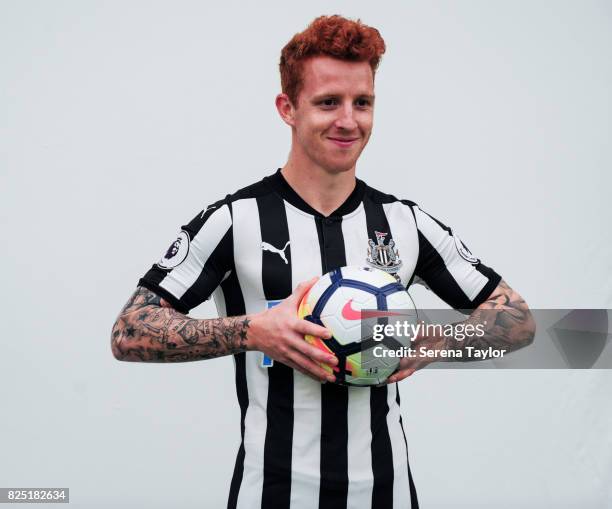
(324, 191)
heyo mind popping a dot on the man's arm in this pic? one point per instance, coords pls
(148, 329)
(508, 325)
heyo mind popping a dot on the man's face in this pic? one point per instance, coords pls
(335, 112)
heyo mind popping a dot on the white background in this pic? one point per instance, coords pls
(119, 121)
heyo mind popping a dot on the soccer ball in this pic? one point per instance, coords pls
(336, 301)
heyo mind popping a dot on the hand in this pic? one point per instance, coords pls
(410, 365)
(279, 333)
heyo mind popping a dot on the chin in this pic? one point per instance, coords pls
(341, 166)
(338, 168)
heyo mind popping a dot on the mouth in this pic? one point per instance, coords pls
(343, 142)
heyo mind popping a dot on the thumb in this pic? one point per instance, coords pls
(302, 289)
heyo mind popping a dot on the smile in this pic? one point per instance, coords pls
(343, 142)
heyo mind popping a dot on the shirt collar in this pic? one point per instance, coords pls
(282, 187)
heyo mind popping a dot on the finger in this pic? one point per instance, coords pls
(301, 289)
(312, 329)
(313, 369)
(314, 353)
(304, 372)
(400, 375)
(295, 366)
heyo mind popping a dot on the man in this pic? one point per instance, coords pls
(306, 444)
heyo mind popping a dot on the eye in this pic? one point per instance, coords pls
(362, 102)
(329, 102)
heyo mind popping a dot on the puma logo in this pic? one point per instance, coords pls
(265, 246)
(210, 207)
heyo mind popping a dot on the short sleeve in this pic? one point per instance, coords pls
(447, 267)
(196, 262)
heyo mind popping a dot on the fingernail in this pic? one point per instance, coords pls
(331, 378)
(332, 359)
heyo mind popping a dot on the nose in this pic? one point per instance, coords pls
(346, 118)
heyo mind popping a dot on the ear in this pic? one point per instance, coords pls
(285, 109)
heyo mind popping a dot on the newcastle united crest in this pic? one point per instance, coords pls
(383, 256)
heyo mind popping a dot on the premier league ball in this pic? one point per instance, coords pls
(350, 302)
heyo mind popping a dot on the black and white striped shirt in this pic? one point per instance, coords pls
(307, 445)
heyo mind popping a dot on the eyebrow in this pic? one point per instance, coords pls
(327, 96)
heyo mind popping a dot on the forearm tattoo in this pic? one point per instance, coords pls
(508, 324)
(149, 330)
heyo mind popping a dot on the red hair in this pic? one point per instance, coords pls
(334, 36)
